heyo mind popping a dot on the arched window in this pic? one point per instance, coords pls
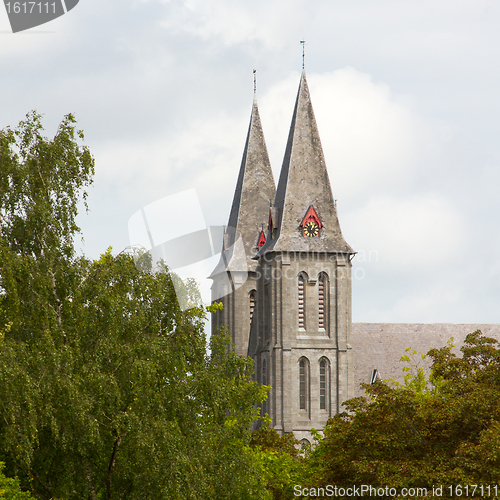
(324, 383)
(252, 304)
(265, 329)
(302, 302)
(264, 382)
(304, 384)
(323, 300)
(304, 445)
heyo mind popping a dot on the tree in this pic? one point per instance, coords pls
(107, 390)
(407, 436)
(40, 186)
(9, 488)
(281, 461)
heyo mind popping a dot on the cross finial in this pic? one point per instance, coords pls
(303, 42)
(254, 82)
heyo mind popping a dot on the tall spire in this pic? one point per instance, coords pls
(255, 189)
(303, 184)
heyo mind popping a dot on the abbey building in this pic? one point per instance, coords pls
(285, 282)
(288, 304)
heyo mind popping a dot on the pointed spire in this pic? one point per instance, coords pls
(254, 188)
(303, 184)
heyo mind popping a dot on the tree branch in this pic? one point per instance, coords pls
(112, 462)
(91, 482)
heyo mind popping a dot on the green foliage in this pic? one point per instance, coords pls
(107, 390)
(106, 387)
(281, 463)
(40, 185)
(418, 434)
(269, 440)
(415, 379)
(9, 488)
(129, 401)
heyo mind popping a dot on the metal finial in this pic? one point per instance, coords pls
(254, 82)
(303, 42)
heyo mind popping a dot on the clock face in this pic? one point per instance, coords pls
(311, 229)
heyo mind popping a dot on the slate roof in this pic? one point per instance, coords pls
(304, 182)
(253, 196)
(381, 345)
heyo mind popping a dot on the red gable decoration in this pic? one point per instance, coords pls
(311, 216)
(262, 240)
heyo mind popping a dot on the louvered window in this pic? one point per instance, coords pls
(321, 301)
(302, 322)
(252, 304)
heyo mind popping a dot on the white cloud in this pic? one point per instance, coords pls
(369, 136)
(205, 155)
(238, 21)
(412, 236)
(276, 108)
(435, 302)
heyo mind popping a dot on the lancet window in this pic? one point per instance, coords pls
(264, 382)
(304, 384)
(324, 383)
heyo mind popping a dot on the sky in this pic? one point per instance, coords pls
(406, 96)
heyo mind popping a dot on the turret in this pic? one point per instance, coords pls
(235, 276)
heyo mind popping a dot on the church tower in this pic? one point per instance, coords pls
(235, 277)
(300, 335)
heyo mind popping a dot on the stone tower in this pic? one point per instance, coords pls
(300, 335)
(235, 277)
(292, 312)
